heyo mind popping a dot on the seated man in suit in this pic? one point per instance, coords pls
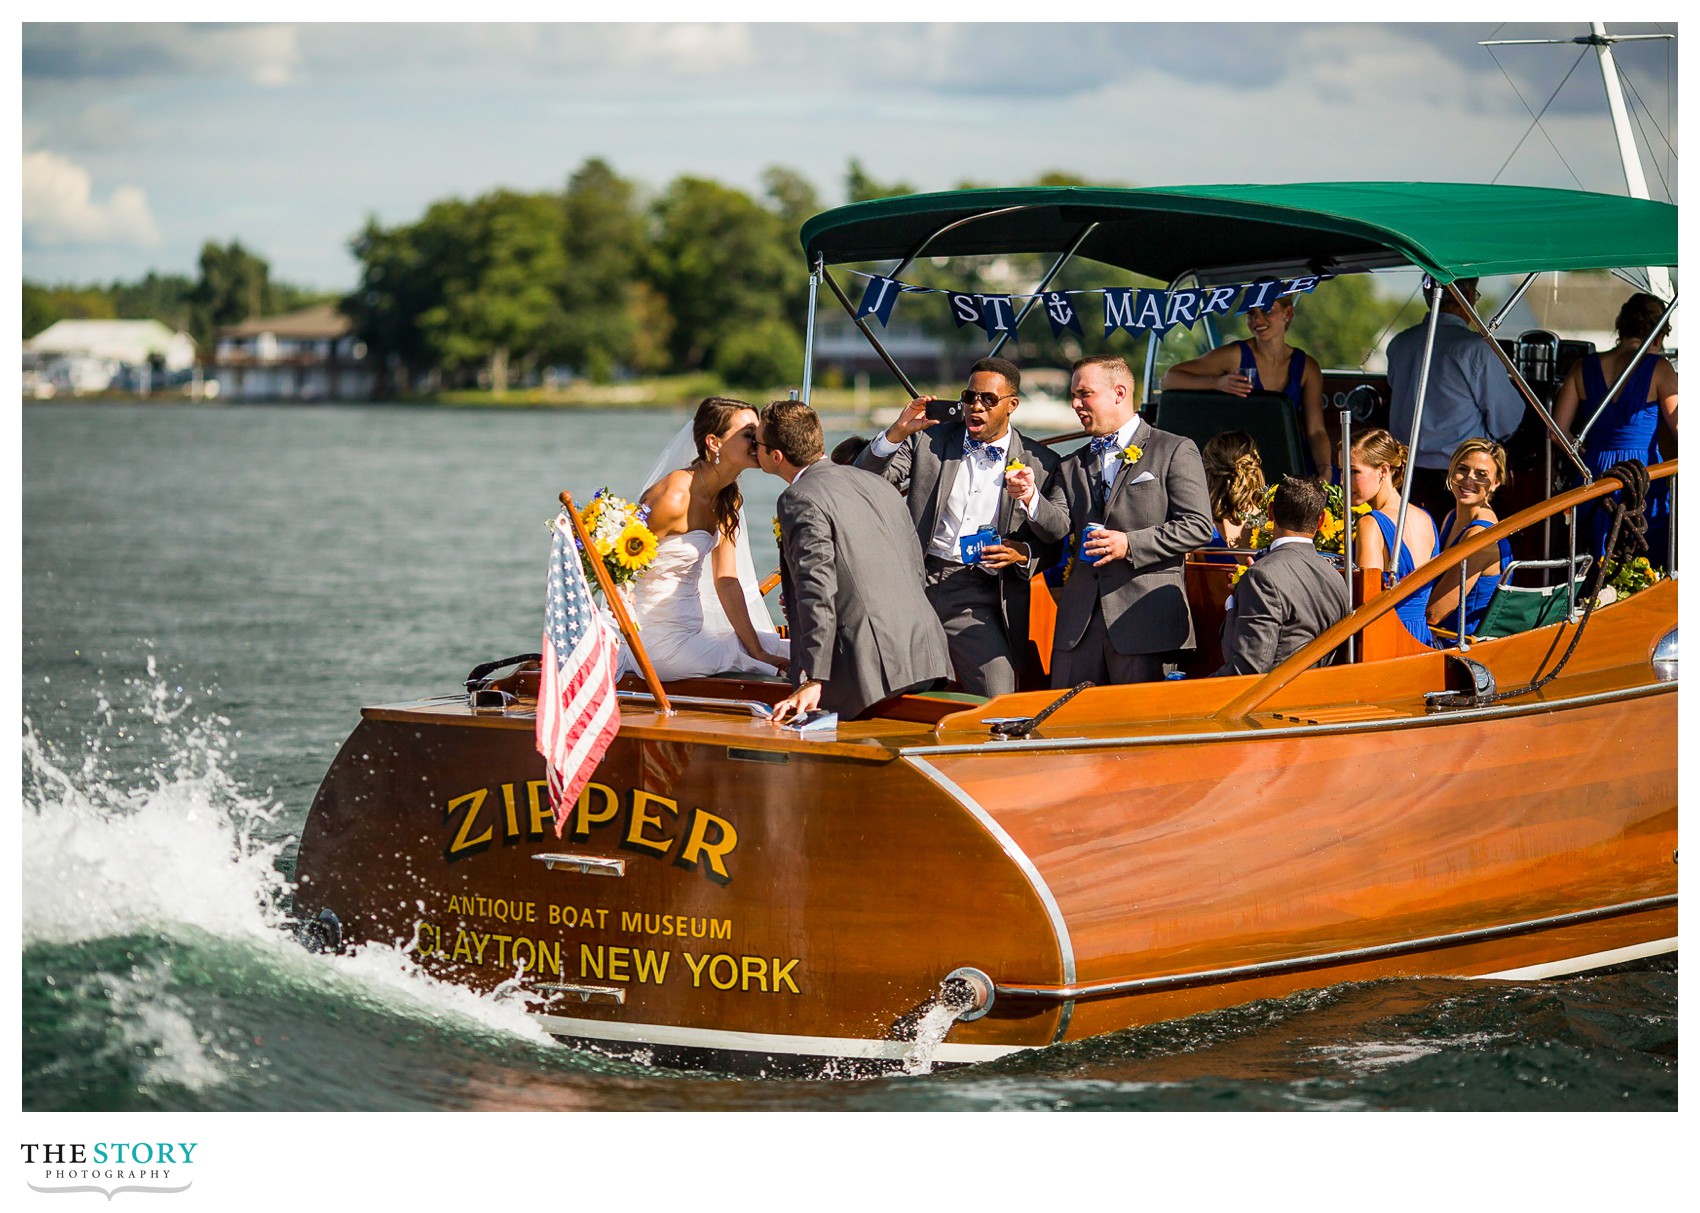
(956, 474)
(861, 629)
(1291, 594)
(1123, 615)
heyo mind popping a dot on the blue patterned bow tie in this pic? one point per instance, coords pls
(985, 452)
(1108, 442)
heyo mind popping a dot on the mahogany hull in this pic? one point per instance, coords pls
(788, 902)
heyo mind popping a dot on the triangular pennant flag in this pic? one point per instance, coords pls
(964, 308)
(879, 299)
(997, 315)
(1059, 310)
(1118, 309)
(1150, 311)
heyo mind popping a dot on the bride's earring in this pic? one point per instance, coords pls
(717, 458)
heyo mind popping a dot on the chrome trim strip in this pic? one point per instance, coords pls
(999, 746)
(1582, 964)
(589, 865)
(757, 1042)
(749, 707)
(1323, 960)
(1059, 925)
(614, 994)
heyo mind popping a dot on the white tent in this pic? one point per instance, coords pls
(128, 342)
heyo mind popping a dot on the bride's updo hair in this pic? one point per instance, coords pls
(714, 416)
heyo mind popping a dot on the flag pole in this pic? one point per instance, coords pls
(628, 629)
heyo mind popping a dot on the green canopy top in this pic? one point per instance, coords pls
(1449, 230)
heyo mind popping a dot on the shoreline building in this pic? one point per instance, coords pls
(307, 355)
(83, 357)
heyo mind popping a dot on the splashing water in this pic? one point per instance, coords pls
(108, 858)
(935, 1025)
(180, 849)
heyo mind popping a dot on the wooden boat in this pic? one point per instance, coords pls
(938, 885)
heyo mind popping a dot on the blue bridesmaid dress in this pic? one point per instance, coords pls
(1413, 612)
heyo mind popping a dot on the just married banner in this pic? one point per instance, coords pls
(1132, 309)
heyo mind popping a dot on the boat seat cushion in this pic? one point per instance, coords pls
(1269, 418)
(1514, 609)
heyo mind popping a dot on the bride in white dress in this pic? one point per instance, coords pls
(694, 625)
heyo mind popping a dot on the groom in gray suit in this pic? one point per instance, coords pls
(1291, 595)
(955, 471)
(1123, 615)
(861, 629)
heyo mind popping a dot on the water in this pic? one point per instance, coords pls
(210, 594)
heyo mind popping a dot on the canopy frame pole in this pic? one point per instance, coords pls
(914, 253)
(1390, 572)
(617, 605)
(1348, 537)
(809, 331)
(861, 322)
(1516, 296)
(1044, 285)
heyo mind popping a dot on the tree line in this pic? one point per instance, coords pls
(232, 284)
(600, 278)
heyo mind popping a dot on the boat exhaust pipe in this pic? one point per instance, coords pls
(967, 991)
(321, 934)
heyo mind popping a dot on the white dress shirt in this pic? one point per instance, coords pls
(973, 499)
(1110, 460)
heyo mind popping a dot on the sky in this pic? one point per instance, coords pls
(142, 141)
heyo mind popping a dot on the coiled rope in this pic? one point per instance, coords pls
(1628, 510)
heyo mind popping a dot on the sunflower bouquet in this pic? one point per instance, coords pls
(618, 532)
(1631, 576)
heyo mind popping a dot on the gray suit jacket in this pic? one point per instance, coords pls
(1163, 506)
(1288, 598)
(859, 617)
(930, 460)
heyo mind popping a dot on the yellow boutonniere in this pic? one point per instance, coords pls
(1014, 465)
(1234, 577)
(776, 537)
(1131, 454)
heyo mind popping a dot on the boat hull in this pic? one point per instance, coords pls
(727, 895)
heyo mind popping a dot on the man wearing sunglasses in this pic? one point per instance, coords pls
(955, 471)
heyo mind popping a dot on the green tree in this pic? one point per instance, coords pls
(162, 297)
(604, 242)
(859, 187)
(791, 196)
(45, 305)
(723, 262)
(233, 285)
(397, 284)
(1340, 322)
(767, 354)
(498, 303)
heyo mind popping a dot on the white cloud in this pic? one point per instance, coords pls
(59, 207)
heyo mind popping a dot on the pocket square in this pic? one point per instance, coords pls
(1141, 478)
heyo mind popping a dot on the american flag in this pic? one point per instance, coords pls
(577, 711)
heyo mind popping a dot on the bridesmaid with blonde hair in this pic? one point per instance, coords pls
(1377, 467)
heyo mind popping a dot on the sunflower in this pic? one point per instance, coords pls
(590, 514)
(636, 546)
